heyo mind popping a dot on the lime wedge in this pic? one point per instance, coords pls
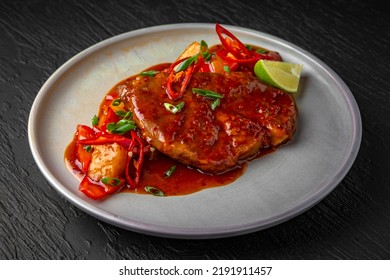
(279, 74)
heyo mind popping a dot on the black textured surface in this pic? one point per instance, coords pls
(352, 37)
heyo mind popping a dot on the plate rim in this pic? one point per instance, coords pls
(210, 232)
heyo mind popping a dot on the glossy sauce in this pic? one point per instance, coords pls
(185, 180)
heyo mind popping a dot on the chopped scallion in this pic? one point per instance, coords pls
(124, 115)
(207, 93)
(154, 191)
(261, 51)
(204, 50)
(116, 102)
(215, 103)
(121, 127)
(186, 63)
(95, 120)
(170, 171)
(111, 181)
(149, 73)
(172, 108)
(87, 148)
(226, 69)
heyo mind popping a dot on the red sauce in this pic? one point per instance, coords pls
(185, 180)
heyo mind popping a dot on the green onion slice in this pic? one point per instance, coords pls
(186, 63)
(121, 127)
(87, 148)
(226, 69)
(124, 115)
(95, 120)
(111, 181)
(170, 171)
(204, 50)
(207, 93)
(154, 191)
(149, 73)
(116, 102)
(172, 108)
(215, 103)
(261, 51)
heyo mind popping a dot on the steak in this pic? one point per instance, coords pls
(251, 116)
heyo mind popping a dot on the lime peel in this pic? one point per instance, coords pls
(279, 74)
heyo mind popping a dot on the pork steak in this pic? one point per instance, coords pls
(251, 116)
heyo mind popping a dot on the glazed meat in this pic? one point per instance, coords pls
(251, 116)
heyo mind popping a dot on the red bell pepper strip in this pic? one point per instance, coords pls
(84, 157)
(133, 171)
(107, 117)
(84, 132)
(98, 190)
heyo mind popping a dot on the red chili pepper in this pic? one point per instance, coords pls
(205, 68)
(98, 190)
(106, 138)
(202, 65)
(133, 171)
(232, 44)
(94, 136)
(236, 52)
(171, 79)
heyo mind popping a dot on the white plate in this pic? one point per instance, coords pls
(274, 188)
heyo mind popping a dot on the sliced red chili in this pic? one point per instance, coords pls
(187, 77)
(232, 44)
(236, 52)
(205, 67)
(134, 160)
(107, 139)
(187, 73)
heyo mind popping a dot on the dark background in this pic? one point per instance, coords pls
(352, 37)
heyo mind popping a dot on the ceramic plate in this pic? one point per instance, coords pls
(273, 189)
